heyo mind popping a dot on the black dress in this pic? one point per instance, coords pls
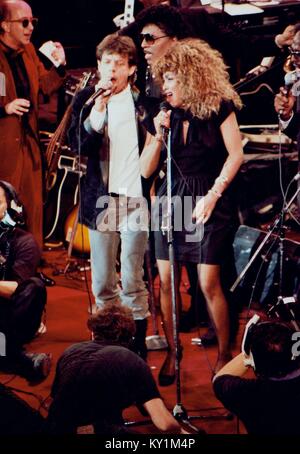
(195, 166)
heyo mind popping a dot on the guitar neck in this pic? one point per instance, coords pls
(128, 13)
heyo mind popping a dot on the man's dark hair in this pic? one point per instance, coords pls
(116, 44)
(271, 346)
(167, 18)
(114, 323)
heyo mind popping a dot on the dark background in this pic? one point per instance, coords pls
(81, 24)
(78, 24)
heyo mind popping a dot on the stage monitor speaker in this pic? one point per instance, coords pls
(262, 279)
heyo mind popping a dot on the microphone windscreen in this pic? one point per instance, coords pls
(291, 77)
(164, 106)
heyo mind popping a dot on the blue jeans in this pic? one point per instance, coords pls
(104, 250)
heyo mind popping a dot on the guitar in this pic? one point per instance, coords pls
(57, 142)
(63, 171)
(66, 192)
(76, 234)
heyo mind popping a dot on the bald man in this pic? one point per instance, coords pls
(24, 76)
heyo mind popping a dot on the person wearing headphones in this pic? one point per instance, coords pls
(22, 294)
(269, 402)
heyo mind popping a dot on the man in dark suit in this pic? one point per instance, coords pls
(287, 101)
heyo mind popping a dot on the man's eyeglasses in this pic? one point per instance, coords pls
(150, 39)
(294, 53)
(25, 22)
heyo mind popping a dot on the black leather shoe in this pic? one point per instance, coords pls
(46, 279)
(209, 338)
(166, 376)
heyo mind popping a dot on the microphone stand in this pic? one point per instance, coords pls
(278, 225)
(179, 412)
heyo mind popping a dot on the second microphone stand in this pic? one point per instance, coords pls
(179, 411)
(278, 226)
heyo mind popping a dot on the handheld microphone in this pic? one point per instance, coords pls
(292, 83)
(95, 95)
(92, 98)
(290, 78)
(164, 107)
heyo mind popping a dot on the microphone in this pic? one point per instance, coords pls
(97, 93)
(290, 78)
(292, 83)
(92, 98)
(164, 107)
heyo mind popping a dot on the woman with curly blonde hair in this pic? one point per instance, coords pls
(206, 156)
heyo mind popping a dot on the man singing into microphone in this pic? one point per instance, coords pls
(112, 203)
(286, 103)
(286, 100)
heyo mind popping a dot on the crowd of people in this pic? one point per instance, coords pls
(125, 134)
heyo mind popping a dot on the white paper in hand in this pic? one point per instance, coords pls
(47, 49)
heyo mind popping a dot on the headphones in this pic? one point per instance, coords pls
(246, 342)
(264, 360)
(14, 213)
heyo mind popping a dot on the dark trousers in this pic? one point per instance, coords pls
(20, 316)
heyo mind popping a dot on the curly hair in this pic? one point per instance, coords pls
(202, 76)
(114, 323)
(167, 18)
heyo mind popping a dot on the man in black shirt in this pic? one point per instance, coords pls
(22, 295)
(269, 403)
(96, 380)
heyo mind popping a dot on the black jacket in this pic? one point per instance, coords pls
(94, 145)
(293, 131)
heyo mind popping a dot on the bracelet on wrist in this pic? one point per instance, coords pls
(215, 192)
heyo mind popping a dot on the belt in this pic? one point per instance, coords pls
(113, 194)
